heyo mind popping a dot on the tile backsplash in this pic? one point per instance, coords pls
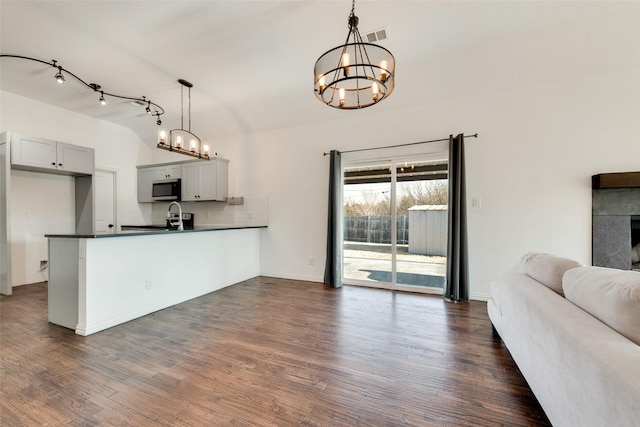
(254, 211)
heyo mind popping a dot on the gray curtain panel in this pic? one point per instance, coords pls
(333, 266)
(457, 277)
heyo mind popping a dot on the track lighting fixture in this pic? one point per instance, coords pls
(158, 110)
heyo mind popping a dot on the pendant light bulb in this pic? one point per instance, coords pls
(102, 100)
(59, 76)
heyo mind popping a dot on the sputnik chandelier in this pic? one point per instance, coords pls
(182, 140)
(60, 78)
(356, 74)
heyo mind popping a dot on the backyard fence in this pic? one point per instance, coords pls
(375, 229)
(424, 229)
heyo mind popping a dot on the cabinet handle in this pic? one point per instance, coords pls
(53, 164)
(59, 164)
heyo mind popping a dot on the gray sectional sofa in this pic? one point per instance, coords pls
(574, 332)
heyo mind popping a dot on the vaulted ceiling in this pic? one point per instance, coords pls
(251, 62)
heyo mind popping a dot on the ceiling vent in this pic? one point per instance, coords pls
(377, 35)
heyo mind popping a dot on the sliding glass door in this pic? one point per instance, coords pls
(367, 242)
(395, 224)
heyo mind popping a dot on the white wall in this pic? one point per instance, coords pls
(43, 203)
(552, 108)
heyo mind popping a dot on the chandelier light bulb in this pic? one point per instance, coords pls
(345, 63)
(322, 83)
(193, 145)
(162, 136)
(383, 71)
(342, 97)
(375, 90)
(179, 141)
(206, 149)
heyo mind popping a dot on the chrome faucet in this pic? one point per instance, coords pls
(179, 223)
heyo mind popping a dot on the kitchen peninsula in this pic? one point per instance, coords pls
(100, 281)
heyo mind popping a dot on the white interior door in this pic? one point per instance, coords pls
(105, 203)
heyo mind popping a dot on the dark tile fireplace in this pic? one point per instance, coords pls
(616, 220)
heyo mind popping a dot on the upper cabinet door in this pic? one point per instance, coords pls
(44, 155)
(33, 152)
(169, 172)
(146, 176)
(190, 182)
(73, 158)
(208, 181)
(222, 179)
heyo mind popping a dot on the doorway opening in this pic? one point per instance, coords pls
(395, 224)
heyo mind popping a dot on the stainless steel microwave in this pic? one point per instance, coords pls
(166, 190)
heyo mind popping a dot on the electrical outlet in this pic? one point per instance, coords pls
(43, 264)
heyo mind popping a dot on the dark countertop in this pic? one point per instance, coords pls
(148, 230)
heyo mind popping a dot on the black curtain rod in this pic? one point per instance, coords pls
(475, 135)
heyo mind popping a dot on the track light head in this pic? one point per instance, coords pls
(149, 107)
(59, 76)
(102, 100)
(158, 122)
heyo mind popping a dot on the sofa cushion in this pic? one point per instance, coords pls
(547, 269)
(610, 295)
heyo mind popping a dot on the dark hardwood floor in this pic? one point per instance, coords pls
(267, 352)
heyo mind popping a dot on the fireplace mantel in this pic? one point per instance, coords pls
(616, 212)
(615, 180)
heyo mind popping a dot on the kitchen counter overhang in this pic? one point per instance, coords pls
(147, 230)
(100, 281)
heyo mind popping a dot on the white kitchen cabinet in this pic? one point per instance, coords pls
(43, 155)
(75, 159)
(148, 174)
(205, 180)
(169, 172)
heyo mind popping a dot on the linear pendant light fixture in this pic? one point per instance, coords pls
(182, 140)
(356, 74)
(59, 77)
